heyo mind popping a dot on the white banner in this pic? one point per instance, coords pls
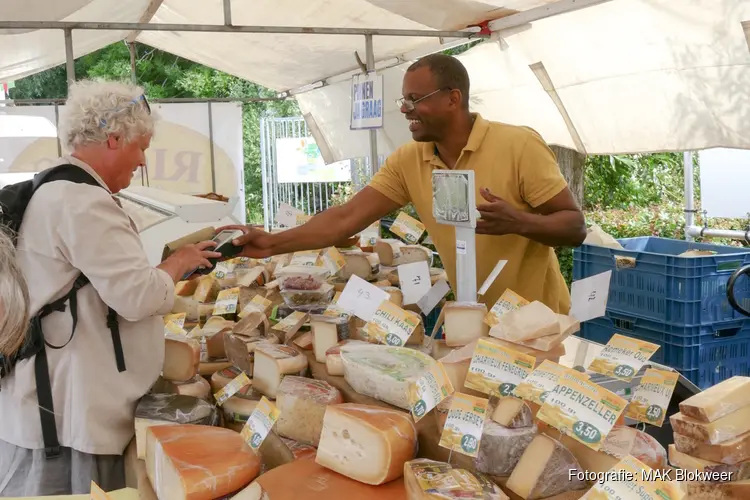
(367, 101)
(298, 159)
(725, 174)
(179, 159)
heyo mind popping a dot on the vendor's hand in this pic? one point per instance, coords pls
(498, 216)
(256, 243)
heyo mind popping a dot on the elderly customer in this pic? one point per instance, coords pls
(14, 298)
(71, 229)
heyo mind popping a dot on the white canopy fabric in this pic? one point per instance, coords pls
(627, 75)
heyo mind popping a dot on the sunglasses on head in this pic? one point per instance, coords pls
(134, 102)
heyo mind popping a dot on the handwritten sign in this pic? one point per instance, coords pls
(464, 425)
(407, 228)
(497, 369)
(428, 391)
(367, 101)
(415, 281)
(361, 298)
(439, 290)
(651, 398)
(589, 297)
(623, 357)
(287, 215)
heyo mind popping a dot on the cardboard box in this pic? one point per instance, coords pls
(196, 237)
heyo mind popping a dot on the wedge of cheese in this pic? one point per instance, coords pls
(302, 403)
(185, 288)
(239, 407)
(388, 250)
(334, 364)
(182, 357)
(328, 331)
(197, 387)
(500, 448)
(394, 293)
(413, 253)
(440, 349)
(364, 265)
(430, 480)
(194, 310)
(207, 290)
(718, 491)
(568, 326)
(722, 429)
(544, 470)
(511, 412)
(304, 341)
(456, 365)
(223, 377)
(526, 323)
(718, 401)
(370, 444)
(193, 462)
(464, 323)
(272, 364)
(738, 472)
(729, 452)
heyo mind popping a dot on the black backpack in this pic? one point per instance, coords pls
(13, 202)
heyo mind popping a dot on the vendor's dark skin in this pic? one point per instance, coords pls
(444, 118)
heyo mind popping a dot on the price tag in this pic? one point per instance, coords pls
(492, 277)
(427, 303)
(226, 301)
(232, 388)
(652, 396)
(178, 319)
(589, 297)
(97, 493)
(361, 298)
(415, 281)
(291, 323)
(497, 369)
(540, 382)
(428, 391)
(581, 409)
(306, 258)
(333, 260)
(370, 235)
(464, 425)
(287, 215)
(174, 328)
(391, 325)
(507, 302)
(302, 219)
(223, 270)
(623, 357)
(407, 228)
(631, 478)
(260, 423)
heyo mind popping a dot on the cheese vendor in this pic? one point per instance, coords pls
(525, 204)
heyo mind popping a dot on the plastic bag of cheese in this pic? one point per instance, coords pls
(427, 479)
(302, 277)
(308, 300)
(384, 372)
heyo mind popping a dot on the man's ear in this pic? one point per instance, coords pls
(113, 142)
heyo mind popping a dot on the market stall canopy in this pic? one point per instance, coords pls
(618, 76)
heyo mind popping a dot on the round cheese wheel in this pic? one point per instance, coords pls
(197, 387)
(239, 407)
(210, 367)
(223, 377)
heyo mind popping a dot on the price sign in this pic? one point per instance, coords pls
(464, 425)
(287, 215)
(507, 302)
(174, 328)
(391, 325)
(260, 423)
(540, 383)
(497, 369)
(226, 302)
(361, 298)
(415, 281)
(589, 297)
(407, 228)
(623, 357)
(651, 398)
(232, 388)
(333, 260)
(370, 235)
(178, 319)
(428, 391)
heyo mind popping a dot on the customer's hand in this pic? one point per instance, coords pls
(257, 244)
(189, 258)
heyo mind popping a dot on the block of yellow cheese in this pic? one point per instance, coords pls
(185, 288)
(272, 364)
(464, 323)
(738, 472)
(734, 490)
(207, 290)
(302, 403)
(722, 429)
(718, 401)
(182, 356)
(526, 323)
(511, 412)
(729, 452)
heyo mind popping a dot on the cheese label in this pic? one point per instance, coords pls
(287, 215)
(333, 260)
(391, 325)
(334, 311)
(307, 258)
(226, 301)
(336, 296)
(581, 409)
(97, 493)
(434, 476)
(497, 369)
(370, 235)
(291, 322)
(407, 228)
(651, 398)
(260, 423)
(258, 304)
(507, 302)
(464, 425)
(428, 391)
(537, 386)
(302, 219)
(174, 328)
(241, 263)
(623, 357)
(231, 388)
(631, 478)
(178, 319)
(223, 270)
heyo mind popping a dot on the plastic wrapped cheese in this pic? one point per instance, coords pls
(302, 403)
(192, 462)
(413, 253)
(334, 364)
(185, 288)
(464, 323)
(193, 309)
(170, 409)
(308, 300)
(500, 448)
(722, 429)
(384, 372)
(302, 277)
(623, 441)
(207, 290)
(430, 480)
(367, 443)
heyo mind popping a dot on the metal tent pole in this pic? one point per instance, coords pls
(687, 169)
(374, 163)
(69, 60)
(227, 12)
(133, 74)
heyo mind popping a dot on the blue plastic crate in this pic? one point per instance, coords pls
(430, 320)
(665, 287)
(704, 354)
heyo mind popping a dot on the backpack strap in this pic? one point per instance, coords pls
(75, 174)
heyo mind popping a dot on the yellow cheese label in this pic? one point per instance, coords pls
(223, 270)
(629, 478)
(464, 425)
(497, 369)
(260, 423)
(428, 391)
(302, 219)
(407, 228)
(238, 263)
(651, 398)
(336, 296)
(507, 302)
(540, 382)
(581, 409)
(370, 235)
(291, 322)
(97, 493)
(391, 325)
(232, 388)
(307, 258)
(263, 302)
(333, 260)
(226, 301)
(433, 476)
(623, 357)
(174, 328)
(178, 319)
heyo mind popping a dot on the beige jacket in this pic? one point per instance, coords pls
(70, 227)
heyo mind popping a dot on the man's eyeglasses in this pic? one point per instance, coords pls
(409, 103)
(134, 102)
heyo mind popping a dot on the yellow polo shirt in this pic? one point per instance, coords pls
(516, 165)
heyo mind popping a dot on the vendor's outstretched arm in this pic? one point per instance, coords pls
(323, 230)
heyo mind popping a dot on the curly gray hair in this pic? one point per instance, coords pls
(96, 109)
(14, 298)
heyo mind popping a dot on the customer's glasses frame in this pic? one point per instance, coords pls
(410, 103)
(142, 97)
